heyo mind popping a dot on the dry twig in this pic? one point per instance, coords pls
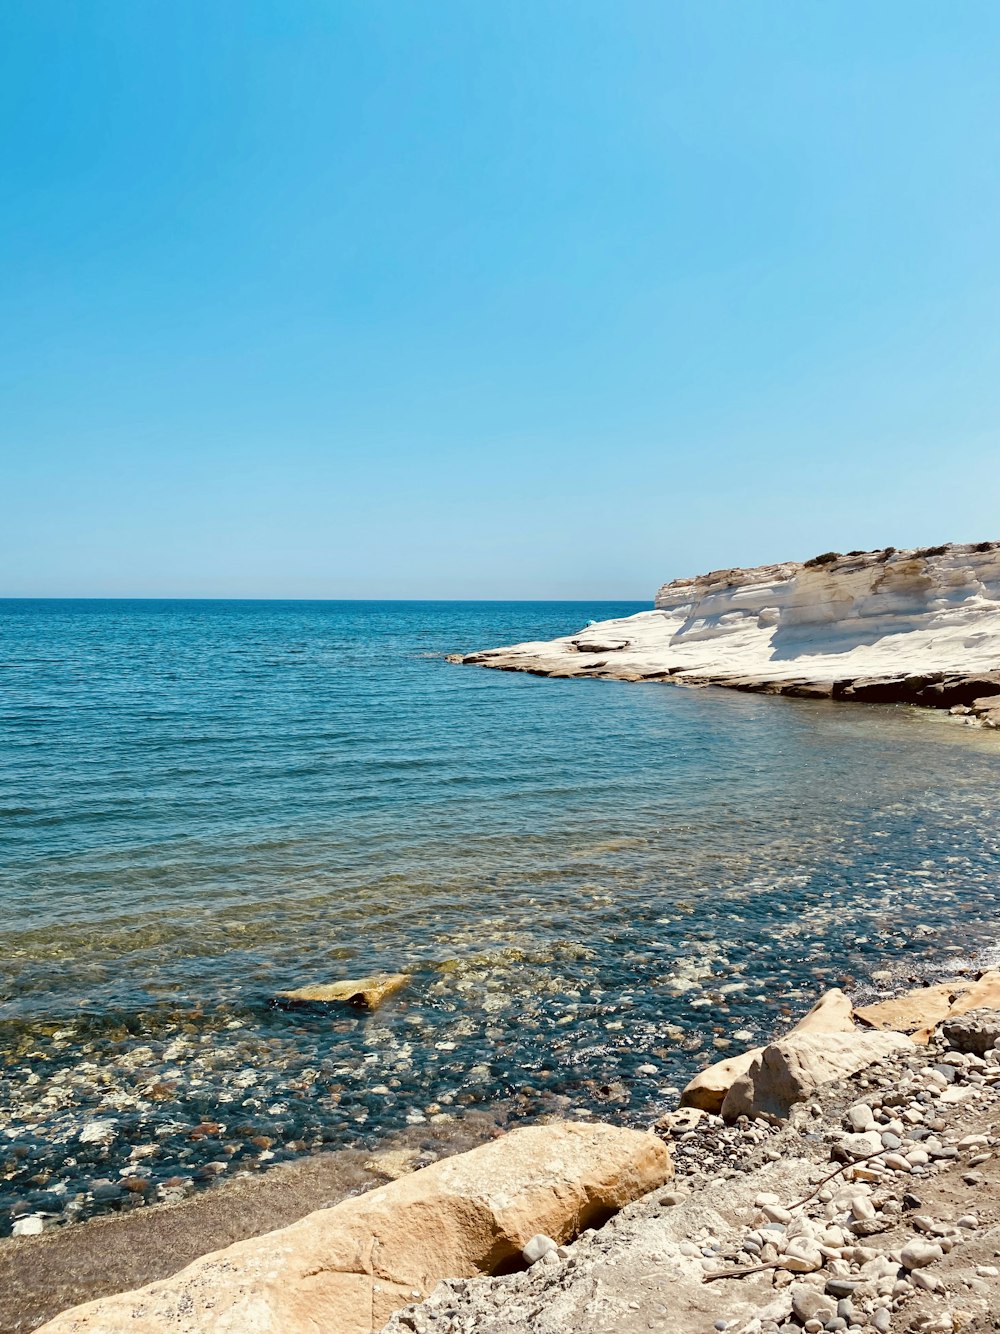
(743, 1270)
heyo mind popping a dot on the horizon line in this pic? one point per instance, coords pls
(205, 597)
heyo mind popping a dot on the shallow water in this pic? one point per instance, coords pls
(595, 886)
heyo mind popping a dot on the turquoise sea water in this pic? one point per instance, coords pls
(595, 886)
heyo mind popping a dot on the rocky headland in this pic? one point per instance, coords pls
(919, 627)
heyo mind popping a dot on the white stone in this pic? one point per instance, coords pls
(98, 1132)
(897, 1162)
(972, 1142)
(919, 1254)
(861, 1117)
(537, 1248)
(801, 1257)
(810, 1303)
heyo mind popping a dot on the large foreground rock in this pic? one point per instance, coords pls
(345, 1270)
(832, 1013)
(788, 1071)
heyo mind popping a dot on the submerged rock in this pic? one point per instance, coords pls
(364, 993)
(393, 1163)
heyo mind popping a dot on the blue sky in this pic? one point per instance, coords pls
(375, 298)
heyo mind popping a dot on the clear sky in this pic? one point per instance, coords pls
(491, 298)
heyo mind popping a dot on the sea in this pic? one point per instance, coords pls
(594, 887)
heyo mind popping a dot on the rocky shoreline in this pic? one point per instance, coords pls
(849, 1184)
(872, 1206)
(919, 627)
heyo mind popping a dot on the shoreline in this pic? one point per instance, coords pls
(114, 1254)
(43, 1275)
(875, 1205)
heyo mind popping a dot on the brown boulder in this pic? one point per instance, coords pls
(832, 1013)
(707, 1091)
(913, 1011)
(346, 1269)
(983, 994)
(987, 710)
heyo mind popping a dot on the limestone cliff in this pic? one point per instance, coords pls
(921, 625)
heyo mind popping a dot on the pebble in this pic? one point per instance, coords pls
(972, 1142)
(810, 1303)
(537, 1248)
(841, 1287)
(801, 1257)
(897, 1162)
(98, 1132)
(922, 1279)
(918, 1254)
(861, 1117)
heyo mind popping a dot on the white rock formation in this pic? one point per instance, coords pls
(880, 614)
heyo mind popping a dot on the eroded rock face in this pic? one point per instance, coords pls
(920, 626)
(976, 1031)
(346, 1269)
(789, 1070)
